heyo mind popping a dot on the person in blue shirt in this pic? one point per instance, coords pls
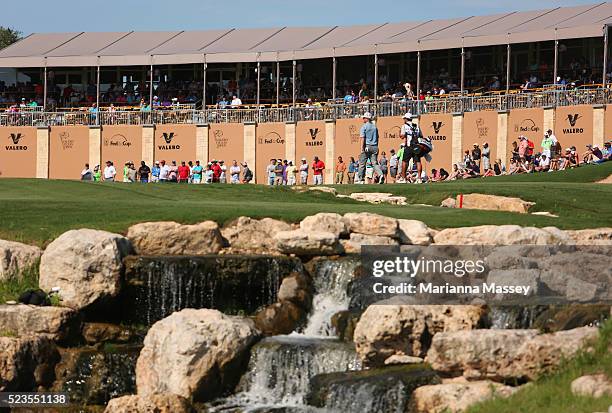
(196, 173)
(353, 166)
(369, 148)
(155, 172)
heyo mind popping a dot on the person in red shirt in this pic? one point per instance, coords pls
(183, 173)
(216, 170)
(318, 167)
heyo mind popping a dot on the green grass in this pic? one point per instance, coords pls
(37, 211)
(12, 287)
(551, 394)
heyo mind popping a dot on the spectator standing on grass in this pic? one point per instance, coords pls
(97, 174)
(393, 164)
(131, 173)
(86, 173)
(223, 175)
(109, 172)
(547, 144)
(291, 172)
(143, 172)
(235, 173)
(196, 173)
(340, 169)
(125, 171)
(173, 175)
(278, 172)
(183, 173)
(270, 171)
(285, 165)
(352, 170)
(486, 156)
(369, 147)
(164, 172)
(216, 170)
(247, 174)
(522, 147)
(209, 175)
(318, 166)
(384, 166)
(304, 172)
(155, 172)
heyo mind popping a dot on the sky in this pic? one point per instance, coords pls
(144, 15)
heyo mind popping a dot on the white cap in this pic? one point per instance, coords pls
(303, 159)
(408, 115)
(367, 115)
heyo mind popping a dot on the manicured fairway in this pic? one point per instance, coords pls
(36, 211)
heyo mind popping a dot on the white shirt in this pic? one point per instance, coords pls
(236, 102)
(393, 161)
(235, 170)
(304, 169)
(164, 172)
(109, 172)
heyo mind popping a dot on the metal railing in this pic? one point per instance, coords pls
(454, 104)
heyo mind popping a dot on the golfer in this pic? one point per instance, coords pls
(369, 148)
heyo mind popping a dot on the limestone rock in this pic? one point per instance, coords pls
(504, 354)
(15, 256)
(279, 318)
(296, 288)
(354, 243)
(387, 330)
(413, 232)
(500, 235)
(196, 354)
(301, 242)
(27, 362)
(105, 332)
(595, 385)
(57, 323)
(155, 403)
(402, 359)
(252, 235)
(456, 397)
(371, 224)
(597, 236)
(172, 238)
(495, 203)
(378, 198)
(449, 203)
(85, 264)
(326, 222)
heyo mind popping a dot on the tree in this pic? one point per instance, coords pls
(8, 36)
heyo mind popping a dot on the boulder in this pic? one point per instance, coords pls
(57, 323)
(501, 235)
(196, 354)
(456, 397)
(279, 318)
(449, 203)
(413, 232)
(403, 359)
(504, 354)
(326, 222)
(494, 203)
(106, 332)
(15, 256)
(355, 241)
(344, 323)
(252, 235)
(371, 224)
(296, 288)
(27, 363)
(387, 330)
(594, 385)
(86, 265)
(172, 238)
(378, 198)
(301, 242)
(155, 403)
(597, 236)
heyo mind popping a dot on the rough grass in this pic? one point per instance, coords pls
(12, 287)
(551, 394)
(37, 211)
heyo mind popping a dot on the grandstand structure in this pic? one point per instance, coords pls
(503, 75)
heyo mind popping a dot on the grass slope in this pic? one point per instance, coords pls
(37, 211)
(551, 394)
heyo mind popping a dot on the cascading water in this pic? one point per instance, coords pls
(159, 286)
(281, 367)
